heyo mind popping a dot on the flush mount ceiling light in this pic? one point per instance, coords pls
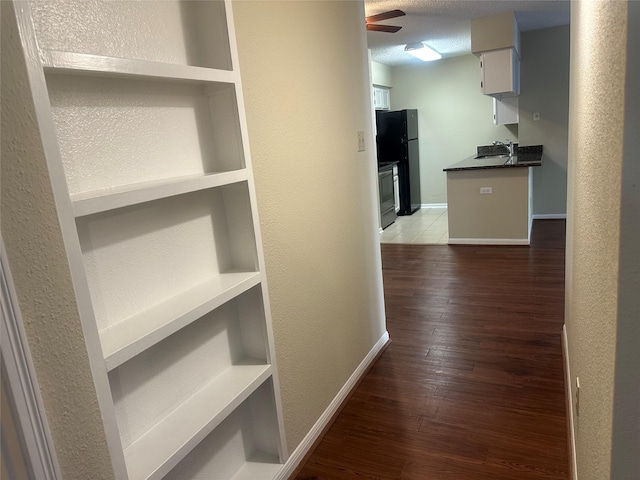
(421, 51)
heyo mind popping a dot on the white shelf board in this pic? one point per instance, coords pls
(88, 203)
(261, 466)
(160, 449)
(57, 61)
(124, 340)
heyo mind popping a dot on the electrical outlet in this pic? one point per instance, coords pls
(486, 190)
(360, 134)
(577, 396)
(536, 116)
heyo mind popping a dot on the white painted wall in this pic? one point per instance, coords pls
(381, 75)
(603, 237)
(306, 95)
(453, 116)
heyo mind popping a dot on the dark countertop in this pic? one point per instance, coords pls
(529, 156)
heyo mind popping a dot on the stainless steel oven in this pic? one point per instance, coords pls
(387, 197)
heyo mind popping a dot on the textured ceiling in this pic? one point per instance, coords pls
(444, 24)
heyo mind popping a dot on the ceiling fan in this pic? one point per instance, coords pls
(371, 25)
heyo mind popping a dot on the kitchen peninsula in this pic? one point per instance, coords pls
(489, 196)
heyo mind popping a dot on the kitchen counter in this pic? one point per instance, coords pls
(489, 198)
(498, 157)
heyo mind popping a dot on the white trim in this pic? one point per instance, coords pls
(549, 216)
(16, 357)
(111, 198)
(307, 442)
(488, 241)
(87, 64)
(433, 205)
(567, 368)
(71, 241)
(530, 201)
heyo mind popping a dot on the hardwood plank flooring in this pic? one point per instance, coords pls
(472, 385)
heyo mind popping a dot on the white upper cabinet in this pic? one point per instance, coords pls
(500, 72)
(505, 111)
(496, 40)
(381, 98)
(494, 32)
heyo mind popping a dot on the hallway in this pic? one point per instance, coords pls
(471, 386)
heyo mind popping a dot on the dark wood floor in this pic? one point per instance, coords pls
(471, 386)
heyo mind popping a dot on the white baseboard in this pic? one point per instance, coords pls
(488, 241)
(433, 205)
(549, 216)
(307, 442)
(567, 369)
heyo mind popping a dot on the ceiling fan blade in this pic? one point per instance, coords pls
(382, 28)
(385, 16)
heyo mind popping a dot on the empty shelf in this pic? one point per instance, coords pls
(260, 466)
(58, 61)
(124, 340)
(88, 203)
(160, 449)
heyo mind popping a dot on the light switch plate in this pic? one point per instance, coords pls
(536, 116)
(360, 134)
(485, 190)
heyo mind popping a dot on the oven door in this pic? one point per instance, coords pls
(387, 198)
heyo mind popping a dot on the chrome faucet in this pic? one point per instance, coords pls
(509, 145)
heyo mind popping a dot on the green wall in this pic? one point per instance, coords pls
(544, 88)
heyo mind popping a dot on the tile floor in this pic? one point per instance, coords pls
(426, 226)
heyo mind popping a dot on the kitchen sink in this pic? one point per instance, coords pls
(501, 155)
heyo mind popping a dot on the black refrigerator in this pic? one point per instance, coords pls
(397, 141)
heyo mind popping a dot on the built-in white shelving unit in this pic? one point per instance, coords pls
(142, 120)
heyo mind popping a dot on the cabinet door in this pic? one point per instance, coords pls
(377, 98)
(381, 98)
(505, 111)
(386, 102)
(500, 72)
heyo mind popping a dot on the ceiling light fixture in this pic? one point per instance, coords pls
(421, 51)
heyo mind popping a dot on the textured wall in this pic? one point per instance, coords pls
(381, 75)
(544, 88)
(306, 85)
(175, 115)
(625, 461)
(97, 27)
(597, 133)
(42, 279)
(453, 116)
